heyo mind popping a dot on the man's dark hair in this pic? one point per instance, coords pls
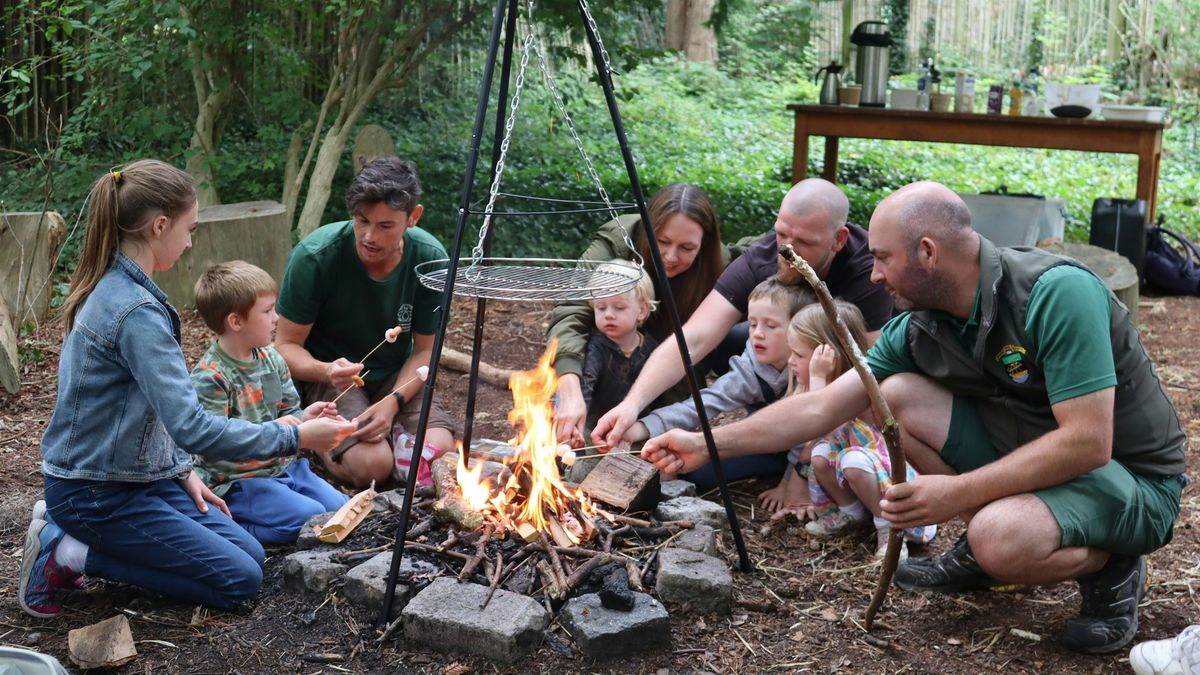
(388, 179)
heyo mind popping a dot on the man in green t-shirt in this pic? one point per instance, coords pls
(1027, 402)
(346, 287)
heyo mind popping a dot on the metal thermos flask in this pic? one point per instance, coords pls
(829, 86)
(873, 40)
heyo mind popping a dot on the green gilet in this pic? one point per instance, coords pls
(1010, 391)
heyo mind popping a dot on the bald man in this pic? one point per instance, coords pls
(1026, 399)
(812, 218)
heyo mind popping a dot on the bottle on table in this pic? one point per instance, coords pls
(1014, 96)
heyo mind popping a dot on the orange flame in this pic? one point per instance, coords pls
(542, 494)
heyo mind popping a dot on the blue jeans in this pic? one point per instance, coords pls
(737, 468)
(151, 535)
(274, 509)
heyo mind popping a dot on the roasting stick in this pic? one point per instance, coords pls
(883, 414)
(389, 335)
(422, 374)
(357, 382)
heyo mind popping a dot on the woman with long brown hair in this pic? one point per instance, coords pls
(685, 227)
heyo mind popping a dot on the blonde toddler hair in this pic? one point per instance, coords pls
(643, 292)
(788, 297)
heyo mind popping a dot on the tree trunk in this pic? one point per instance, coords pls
(1116, 27)
(320, 182)
(203, 148)
(688, 32)
(847, 29)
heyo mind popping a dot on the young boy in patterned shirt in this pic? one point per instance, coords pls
(241, 375)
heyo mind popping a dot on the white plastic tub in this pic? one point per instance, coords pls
(1133, 113)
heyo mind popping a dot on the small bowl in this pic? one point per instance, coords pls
(1073, 111)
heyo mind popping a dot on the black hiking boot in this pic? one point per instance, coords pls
(1108, 614)
(954, 571)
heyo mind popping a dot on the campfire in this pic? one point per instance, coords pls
(530, 497)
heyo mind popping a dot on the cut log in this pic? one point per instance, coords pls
(107, 644)
(373, 142)
(1114, 269)
(461, 362)
(29, 243)
(625, 482)
(257, 232)
(10, 357)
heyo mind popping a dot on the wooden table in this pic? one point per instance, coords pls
(1143, 139)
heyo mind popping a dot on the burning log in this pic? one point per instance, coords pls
(625, 482)
(450, 507)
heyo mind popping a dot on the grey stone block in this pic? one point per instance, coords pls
(311, 570)
(390, 500)
(701, 539)
(695, 509)
(694, 580)
(677, 488)
(446, 616)
(308, 535)
(602, 633)
(366, 584)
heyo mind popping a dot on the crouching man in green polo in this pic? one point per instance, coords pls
(1027, 402)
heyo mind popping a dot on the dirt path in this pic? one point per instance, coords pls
(812, 597)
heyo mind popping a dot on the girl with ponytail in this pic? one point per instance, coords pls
(121, 499)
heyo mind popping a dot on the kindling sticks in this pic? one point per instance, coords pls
(883, 414)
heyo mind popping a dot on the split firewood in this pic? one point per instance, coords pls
(558, 533)
(625, 482)
(883, 414)
(352, 513)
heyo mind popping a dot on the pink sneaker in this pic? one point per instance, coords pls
(834, 524)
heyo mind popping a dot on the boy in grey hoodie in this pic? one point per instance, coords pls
(756, 378)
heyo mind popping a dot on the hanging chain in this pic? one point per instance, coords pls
(494, 190)
(530, 45)
(566, 116)
(587, 12)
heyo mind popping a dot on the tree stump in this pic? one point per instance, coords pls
(372, 143)
(257, 232)
(10, 360)
(1117, 273)
(29, 243)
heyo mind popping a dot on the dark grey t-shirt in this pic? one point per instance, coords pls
(849, 276)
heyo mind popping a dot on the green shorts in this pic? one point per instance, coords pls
(1110, 508)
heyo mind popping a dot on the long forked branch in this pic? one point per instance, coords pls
(883, 414)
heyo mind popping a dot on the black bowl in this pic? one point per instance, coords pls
(1071, 111)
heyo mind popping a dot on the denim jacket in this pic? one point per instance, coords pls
(126, 409)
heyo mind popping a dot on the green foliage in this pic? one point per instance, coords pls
(895, 13)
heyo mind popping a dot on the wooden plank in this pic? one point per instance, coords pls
(257, 232)
(625, 482)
